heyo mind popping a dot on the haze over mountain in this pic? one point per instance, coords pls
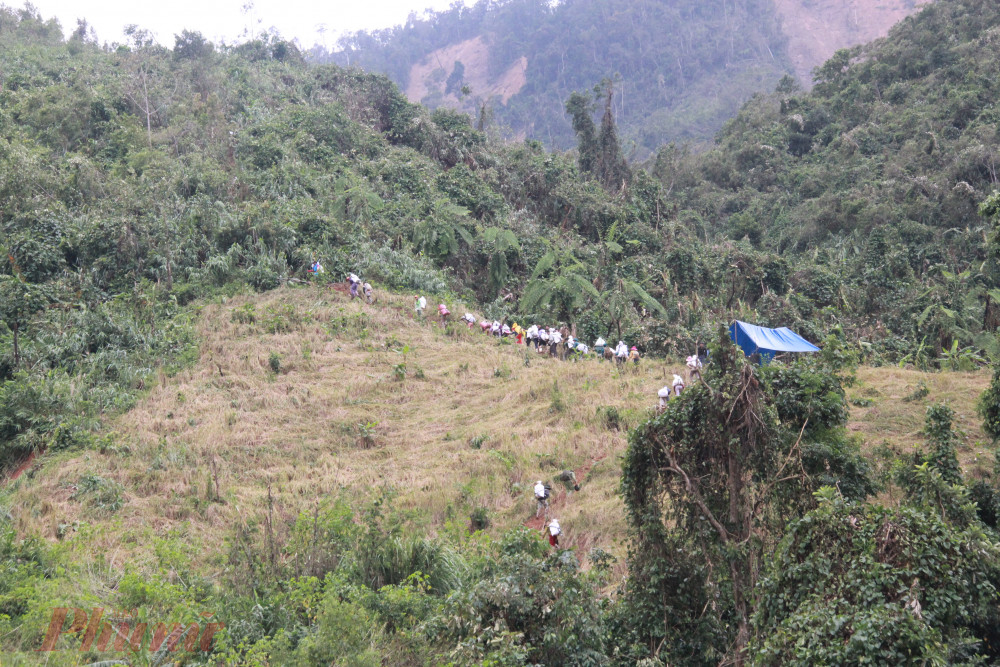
(681, 68)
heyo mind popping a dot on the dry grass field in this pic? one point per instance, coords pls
(897, 411)
(305, 396)
(363, 397)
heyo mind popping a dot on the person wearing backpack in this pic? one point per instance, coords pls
(541, 498)
(554, 531)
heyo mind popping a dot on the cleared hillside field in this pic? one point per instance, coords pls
(364, 397)
(303, 395)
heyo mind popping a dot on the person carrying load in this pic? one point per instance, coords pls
(664, 394)
(541, 498)
(518, 333)
(556, 344)
(677, 385)
(621, 352)
(443, 312)
(599, 345)
(554, 532)
(316, 268)
(470, 319)
(633, 355)
(505, 331)
(694, 368)
(533, 335)
(369, 293)
(484, 326)
(419, 304)
(354, 282)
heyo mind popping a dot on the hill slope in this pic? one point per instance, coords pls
(684, 67)
(367, 397)
(468, 427)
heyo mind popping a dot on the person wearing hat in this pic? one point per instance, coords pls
(419, 304)
(634, 355)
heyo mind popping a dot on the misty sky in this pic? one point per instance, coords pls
(227, 20)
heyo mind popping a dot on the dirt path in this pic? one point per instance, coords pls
(24, 465)
(559, 498)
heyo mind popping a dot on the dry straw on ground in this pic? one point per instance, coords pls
(363, 397)
(320, 397)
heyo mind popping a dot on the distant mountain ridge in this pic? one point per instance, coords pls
(683, 68)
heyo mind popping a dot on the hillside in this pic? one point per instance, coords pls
(365, 397)
(682, 69)
(367, 400)
(368, 397)
(196, 429)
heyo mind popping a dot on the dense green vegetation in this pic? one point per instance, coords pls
(139, 179)
(684, 67)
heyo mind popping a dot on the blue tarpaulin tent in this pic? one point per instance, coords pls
(768, 342)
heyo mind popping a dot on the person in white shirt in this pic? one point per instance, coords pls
(554, 531)
(677, 385)
(621, 352)
(419, 304)
(533, 335)
(664, 394)
(555, 340)
(541, 498)
(694, 368)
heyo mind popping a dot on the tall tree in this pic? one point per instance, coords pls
(581, 109)
(612, 168)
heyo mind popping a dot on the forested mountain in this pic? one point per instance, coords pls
(876, 175)
(143, 185)
(682, 68)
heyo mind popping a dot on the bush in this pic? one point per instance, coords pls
(988, 406)
(851, 584)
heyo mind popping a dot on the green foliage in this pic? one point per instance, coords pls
(684, 483)
(98, 493)
(715, 61)
(988, 407)
(526, 607)
(852, 584)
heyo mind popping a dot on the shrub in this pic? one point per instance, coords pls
(988, 406)
(852, 584)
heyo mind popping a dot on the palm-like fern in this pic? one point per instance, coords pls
(502, 241)
(558, 285)
(438, 234)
